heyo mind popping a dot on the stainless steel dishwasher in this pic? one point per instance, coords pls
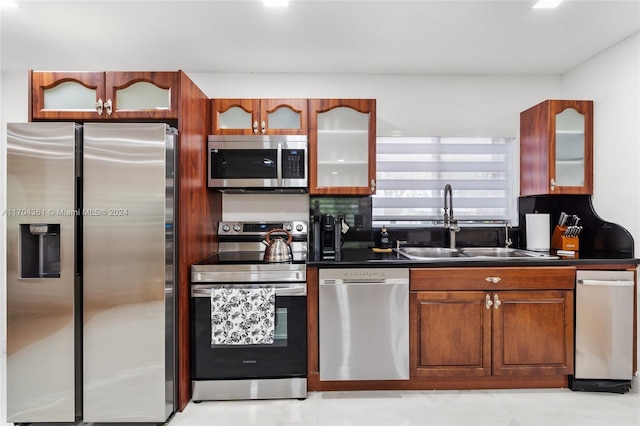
(364, 324)
(604, 331)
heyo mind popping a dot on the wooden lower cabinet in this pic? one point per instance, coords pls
(532, 333)
(452, 334)
(491, 333)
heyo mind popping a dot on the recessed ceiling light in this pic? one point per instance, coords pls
(276, 3)
(547, 4)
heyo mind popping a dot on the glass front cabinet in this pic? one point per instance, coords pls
(342, 146)
(259, 117)
(103, 95)
(556, 148)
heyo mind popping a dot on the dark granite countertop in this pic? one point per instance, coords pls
(365, 257)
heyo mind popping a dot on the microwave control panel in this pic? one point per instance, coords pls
(293, 164)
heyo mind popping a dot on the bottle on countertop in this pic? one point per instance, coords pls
(384, 238)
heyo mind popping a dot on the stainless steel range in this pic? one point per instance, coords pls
(249, 315)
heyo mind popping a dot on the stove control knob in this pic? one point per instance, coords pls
(288, 227)
(299, 227)
(225, 227)
(236, 227)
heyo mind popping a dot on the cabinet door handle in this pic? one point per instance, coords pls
(255, 127)
(108, 106)
(264, 126)
(553, 184)
(99, 106)
(496, 301)
(373, 185)
(494, 280)
(487, 302)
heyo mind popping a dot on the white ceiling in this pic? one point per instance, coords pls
(401, 37)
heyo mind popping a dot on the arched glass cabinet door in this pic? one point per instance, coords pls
(152, 95)
(234, 116)
(66, 95)
(283, 117)
(342, 146)
(556, 148)
(259, 117)
(571, 154)
(570, 148)
(103, 95)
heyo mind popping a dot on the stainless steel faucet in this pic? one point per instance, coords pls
(449, 222)
(507, 240)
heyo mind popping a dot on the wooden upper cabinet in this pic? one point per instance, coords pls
(103, 95)
(556, 148)
(142, 95)
(65, 95)
(342, 146)
(259, 117)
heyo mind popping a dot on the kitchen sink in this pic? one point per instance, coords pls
(421, 253)
(471, 253)
(504, 252)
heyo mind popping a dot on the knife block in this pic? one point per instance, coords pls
(560, 242)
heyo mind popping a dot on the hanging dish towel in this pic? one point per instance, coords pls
(243, 316)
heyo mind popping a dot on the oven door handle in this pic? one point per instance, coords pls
(204, 290)
(249, 276)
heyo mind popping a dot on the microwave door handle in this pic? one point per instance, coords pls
(279, 165)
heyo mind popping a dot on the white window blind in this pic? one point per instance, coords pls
(412, 173)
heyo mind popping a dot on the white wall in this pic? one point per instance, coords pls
(409, 105)
(612, 80)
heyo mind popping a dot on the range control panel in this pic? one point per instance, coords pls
(260, 228)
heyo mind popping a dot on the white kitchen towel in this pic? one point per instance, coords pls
(243, 316)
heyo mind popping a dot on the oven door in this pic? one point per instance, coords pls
(285, 357)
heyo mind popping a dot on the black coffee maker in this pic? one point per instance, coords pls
(327, 237)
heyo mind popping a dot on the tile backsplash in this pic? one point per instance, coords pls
(356, 212)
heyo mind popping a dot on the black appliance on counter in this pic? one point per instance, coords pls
(327, 237)
(223, 370)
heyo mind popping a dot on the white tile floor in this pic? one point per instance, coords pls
(382, 408)
(504, 407)
(378, 408)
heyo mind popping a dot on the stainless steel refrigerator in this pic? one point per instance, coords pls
(90, 272)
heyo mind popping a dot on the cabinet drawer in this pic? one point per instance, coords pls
(501, 278)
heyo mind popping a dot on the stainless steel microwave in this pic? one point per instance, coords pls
(258, 163)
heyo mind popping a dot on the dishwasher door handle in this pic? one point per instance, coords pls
(368, 281)
(607, 283)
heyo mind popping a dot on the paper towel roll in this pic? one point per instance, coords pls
(538, 231)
